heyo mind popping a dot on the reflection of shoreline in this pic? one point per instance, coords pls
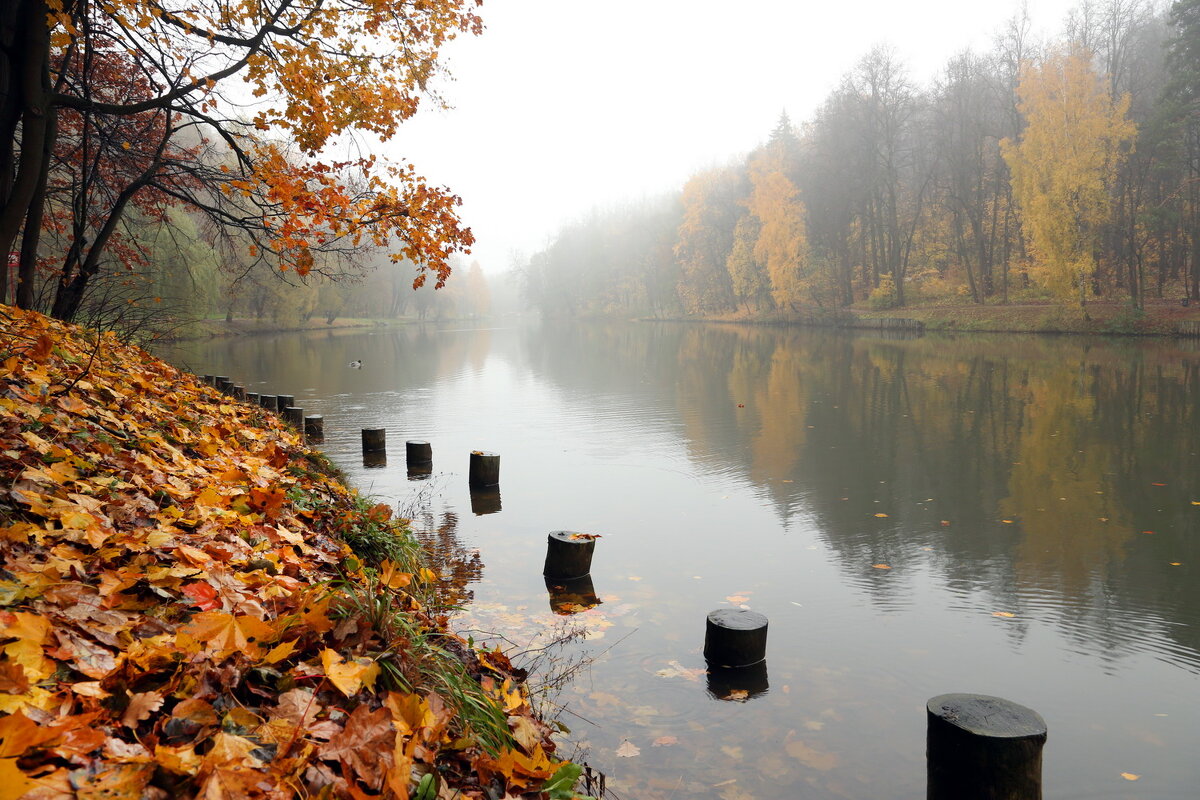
(457, 566)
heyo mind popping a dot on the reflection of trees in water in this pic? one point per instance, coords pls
(1066, 438)
(457, 566)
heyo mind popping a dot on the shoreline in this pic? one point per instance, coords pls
(1159, 319)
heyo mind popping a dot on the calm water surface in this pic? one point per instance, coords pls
(1009, 516)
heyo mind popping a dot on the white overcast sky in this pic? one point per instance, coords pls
(565, 105)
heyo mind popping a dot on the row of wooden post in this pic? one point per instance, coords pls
(311, 428)
(977, 746)
(483, 471)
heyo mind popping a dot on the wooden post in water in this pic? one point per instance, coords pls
(252, 398)
(374, 440)
(569, 555)
(735, 637)
(211, 380)
(314, 427)
(268, 401)
(418, 453)
(295, 417)
(239, 392)
(983, 748)
(222, 383)
(285, 401)
(485, 469)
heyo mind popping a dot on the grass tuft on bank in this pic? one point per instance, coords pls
(194, 604)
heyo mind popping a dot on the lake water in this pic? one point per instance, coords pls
(1013, 516)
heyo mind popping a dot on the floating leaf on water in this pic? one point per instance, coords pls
(1005, 614)
(881, 514)
(676, 670)
(1129, 776)
(1176, 563)
(665, 741)
(811, 757)
(881, 566)
(628, 750)
(737, 599)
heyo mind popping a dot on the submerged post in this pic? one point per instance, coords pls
(983, 747)
(569, 554)
(314, 427)
(735, 637)
(374, 440)
(485, 469)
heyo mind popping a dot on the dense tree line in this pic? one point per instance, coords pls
(1066, 170)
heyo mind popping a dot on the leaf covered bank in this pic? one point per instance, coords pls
(181, 613)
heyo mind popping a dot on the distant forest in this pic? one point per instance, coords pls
(1066, 171)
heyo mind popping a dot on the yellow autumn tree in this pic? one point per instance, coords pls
(775, 202)
(1063, 165)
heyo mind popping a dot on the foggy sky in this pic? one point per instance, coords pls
(564, 105)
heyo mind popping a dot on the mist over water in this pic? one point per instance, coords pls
(1004, 515)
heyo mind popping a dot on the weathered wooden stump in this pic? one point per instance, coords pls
(239, 392)
(314, 427)
(222, 383)
(295, 417)
(485, 469)
(571, 596)
(738, 683)
(483, 501)
(984, 748)
(418, 453)
(268, 401)
(374, 440)
(734, 637)
(375, 459)
(284, 401)
(569, 554)
(211, 380)
(252, 398)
